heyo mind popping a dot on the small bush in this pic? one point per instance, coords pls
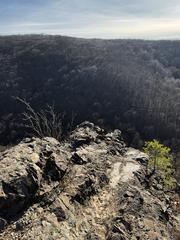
(160, 159)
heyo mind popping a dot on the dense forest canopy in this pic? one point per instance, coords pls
(133, 85)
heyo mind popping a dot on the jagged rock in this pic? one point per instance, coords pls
(116, 135)
(91, 187)
(77, 158)
(84, 134)
(22, 170)
(59, 212)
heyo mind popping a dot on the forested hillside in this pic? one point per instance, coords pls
(132, 85)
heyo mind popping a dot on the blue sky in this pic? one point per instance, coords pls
(147, 19)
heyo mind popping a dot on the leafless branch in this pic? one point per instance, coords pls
(45, 123)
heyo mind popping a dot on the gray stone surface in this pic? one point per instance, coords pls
(89, 187)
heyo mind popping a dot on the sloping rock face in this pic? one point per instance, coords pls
(90, 187)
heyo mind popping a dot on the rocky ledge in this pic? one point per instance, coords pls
(89, 187)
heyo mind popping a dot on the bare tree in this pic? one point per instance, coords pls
(45, 123)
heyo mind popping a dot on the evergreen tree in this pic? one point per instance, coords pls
(160, 159)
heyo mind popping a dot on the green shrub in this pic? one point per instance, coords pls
(160, 159)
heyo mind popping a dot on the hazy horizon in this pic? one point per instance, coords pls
(108, 19)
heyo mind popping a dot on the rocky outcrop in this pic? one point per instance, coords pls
(89, 187)
(25, 170)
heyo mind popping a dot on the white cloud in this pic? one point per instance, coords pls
(99, 19)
